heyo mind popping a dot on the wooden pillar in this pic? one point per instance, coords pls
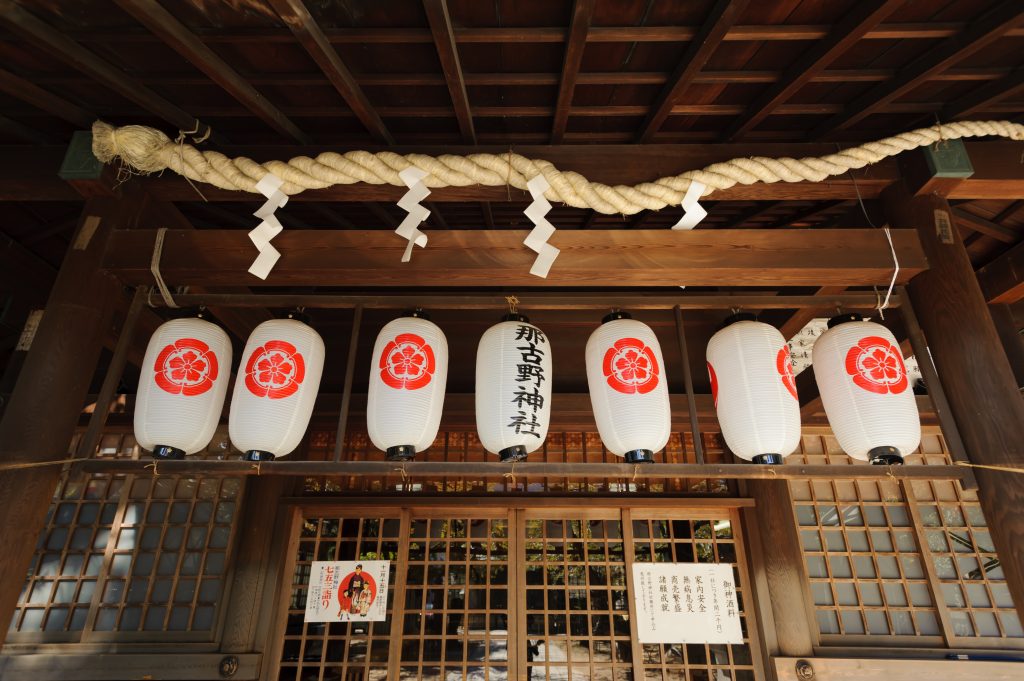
(48, 397)
(973, 369)
(1010, 333)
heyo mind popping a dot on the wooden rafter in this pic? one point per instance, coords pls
(1002, 280)
(582, 15)
(27, 91)
(990, 27)
(985, 96)
(723, 15)
(448, 54)
(841, 257)
(173, 33)
(312, 38)
(807, 213)
(986, 227)
(754, 212)
(800, 318)
(18, 129)
(864, 17)
(57, 45)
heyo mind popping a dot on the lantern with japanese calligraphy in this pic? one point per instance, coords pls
(754, 390)
(181, 392)
(275, 388)
(513, 388)
(628, 390)
(865, 390)
(407, 382)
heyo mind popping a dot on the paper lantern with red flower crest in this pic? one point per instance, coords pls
(865, 390)
(628, 388)
(754, 390)
(275, 389)
(407, 382)
(513, 388)
(182, 386)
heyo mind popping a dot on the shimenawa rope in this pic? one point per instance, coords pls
(147, 150)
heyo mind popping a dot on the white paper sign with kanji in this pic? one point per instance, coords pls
(348, 591)
(686, 603)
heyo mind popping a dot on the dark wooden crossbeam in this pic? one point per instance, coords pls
(312, 38)
(988, 28)
(448, 53)
(986, 227)
(1002, 280)
(842, 257)
(723, 15)
(59, 46)
(861, 19)
(988, 94)
(27, 91)
(582, 14)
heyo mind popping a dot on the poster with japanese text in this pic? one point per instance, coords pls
(348, 591)
(686, 603)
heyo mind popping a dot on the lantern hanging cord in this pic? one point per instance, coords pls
(147, 150)
(154, 267)
(883, 305)
(513, 304)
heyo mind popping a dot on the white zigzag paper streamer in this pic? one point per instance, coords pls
(269, 227)
(409, 229)
(537, 239)
(693, 212)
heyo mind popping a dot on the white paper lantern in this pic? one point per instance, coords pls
(513, 388)
(628, 388)
(275, 389)
(865, 390)
(407, 382)
(181, 390)
(754, 390)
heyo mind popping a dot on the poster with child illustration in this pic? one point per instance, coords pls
(348, 591)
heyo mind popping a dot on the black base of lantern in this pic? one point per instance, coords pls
(400, 453)
(772, 459)
(168, 453)
(885, 456)
(258, 455)
(510, 454)
(640, 456)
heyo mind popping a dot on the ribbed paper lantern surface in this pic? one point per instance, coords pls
(513, 388)
(754, 390)
(275, 389)
(182, 386)
(865, 390)
(628, 388)
(407, 382)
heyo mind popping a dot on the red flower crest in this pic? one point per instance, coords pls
(714, 383)
(785, 366)
(186, 367)
(630, 367)
(407, 362)
(877, 366)
(274, 370)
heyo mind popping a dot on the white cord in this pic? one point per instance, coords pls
(154, 267)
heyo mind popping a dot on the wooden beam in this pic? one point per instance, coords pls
(448, 54)
(984, 96)
(1002, 280)
(982, 32)
(18, 129)
(59, 46)
(893, 669)
(861, 19)
(800, 318)
(582, 15)
(1010, 335)
(180, 39)
(723, 15)
(986, 227)
(28, 91)
(850, 257)
(125, 666)
(312, 38)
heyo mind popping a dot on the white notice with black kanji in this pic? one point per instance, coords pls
(686, 603)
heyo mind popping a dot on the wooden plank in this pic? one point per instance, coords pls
(180, 39)
(724, 14)
(861, 19)
(986, 95)
(59, 46)
(1002, 280)
(851, 257)
(28, 91)
(582, 15)
(856, 669)
(309, 34)
(1010, 334)
(448, 54)
(122, 666)
(800, 318)
(984, 31)
(986, 227)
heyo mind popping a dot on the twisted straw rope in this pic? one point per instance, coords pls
(146, 150)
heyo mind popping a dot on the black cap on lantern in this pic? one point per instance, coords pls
(843, 318)
(616, 314)
(400, 453)
(168, 453)
(299, 315)
(516, 317)
(418, 312)
(257, 455)
(738, 317)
